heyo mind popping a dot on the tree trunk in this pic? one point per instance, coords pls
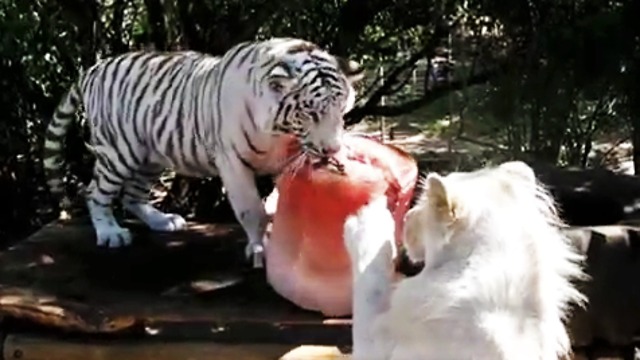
(155, 13)
(116, 41)
(635, 139)
(633, 108)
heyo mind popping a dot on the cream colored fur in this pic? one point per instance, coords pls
(496, 278)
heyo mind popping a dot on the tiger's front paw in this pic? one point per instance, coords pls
(254, 251)
(155, 219)
(112, 236)
(167, 222)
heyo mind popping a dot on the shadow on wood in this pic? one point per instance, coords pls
(589, 197)
(610, 324)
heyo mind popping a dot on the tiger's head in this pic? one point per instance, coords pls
(314, 89)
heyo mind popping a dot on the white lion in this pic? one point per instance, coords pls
(496, 282)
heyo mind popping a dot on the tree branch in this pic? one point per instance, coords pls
(495, 147)
(406, 77)
(358, 113)
(412, 105)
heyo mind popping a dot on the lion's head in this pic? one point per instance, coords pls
(498, 228)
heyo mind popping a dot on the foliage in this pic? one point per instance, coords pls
(540, 78)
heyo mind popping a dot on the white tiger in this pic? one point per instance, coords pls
(496, 282)
(202, 116)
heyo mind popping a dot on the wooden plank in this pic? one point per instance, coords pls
(33, 347)
(183, 284)
(36, 347)
(194, 285)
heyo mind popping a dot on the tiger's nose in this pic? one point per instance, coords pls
(329, 150)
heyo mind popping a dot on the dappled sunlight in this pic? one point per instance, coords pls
(43, 260)
(174, 244)
(632, 208)
(584, 187)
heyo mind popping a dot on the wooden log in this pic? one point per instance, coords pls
(34, 347)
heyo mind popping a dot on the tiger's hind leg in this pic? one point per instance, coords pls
(136, 200)
(104, 187)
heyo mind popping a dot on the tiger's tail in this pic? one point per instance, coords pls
(53, 156)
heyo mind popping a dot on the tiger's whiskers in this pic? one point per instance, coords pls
(297, 164)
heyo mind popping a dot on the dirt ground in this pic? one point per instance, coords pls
(444, 153)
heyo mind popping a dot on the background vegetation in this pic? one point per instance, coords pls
(538, 79)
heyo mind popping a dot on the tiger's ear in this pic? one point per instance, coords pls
(351, 69)
(281, 78)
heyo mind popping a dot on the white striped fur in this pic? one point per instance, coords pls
(202, 116)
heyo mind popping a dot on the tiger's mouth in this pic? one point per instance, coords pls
(319, 160)
(330, 163)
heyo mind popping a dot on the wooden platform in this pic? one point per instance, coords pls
(190, 295)
(192, 285)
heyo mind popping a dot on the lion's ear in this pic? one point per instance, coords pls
(439, 197)
(411, 237)
(519, 169)
(436, 191)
